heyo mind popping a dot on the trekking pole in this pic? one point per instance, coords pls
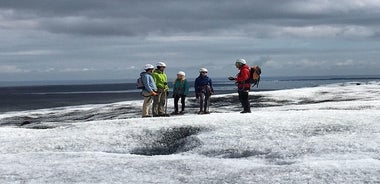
(166, 103)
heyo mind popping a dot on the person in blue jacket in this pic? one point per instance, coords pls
(203, 90)
(180, 91)
(149, 90)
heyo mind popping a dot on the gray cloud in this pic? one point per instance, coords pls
(115, 38)
(132, 18)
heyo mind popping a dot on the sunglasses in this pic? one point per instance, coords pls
(203, 72)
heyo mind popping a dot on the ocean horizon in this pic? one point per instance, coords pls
(21, 83)
(31, 95)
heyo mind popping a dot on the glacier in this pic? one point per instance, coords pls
(324, 134)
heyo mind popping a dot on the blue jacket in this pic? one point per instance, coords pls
(148, 81)
(201, 82)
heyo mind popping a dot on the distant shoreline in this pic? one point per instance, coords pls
(41, 101)
(20, 98)
(124, 81)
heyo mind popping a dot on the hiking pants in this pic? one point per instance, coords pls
(146, 105)
(243, 98)
(159, 102)
(204, 102)
(176, 99)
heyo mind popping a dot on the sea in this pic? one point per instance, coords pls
(28, 95)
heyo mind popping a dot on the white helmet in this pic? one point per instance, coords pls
(159, 64)
(148, 66)
(203, 70)
(181, 73)
(240, 62)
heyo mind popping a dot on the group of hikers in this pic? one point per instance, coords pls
(156, 89)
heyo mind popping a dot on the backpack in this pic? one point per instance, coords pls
(254, 77)
(139, 83)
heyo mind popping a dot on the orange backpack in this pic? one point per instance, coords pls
(254, 77)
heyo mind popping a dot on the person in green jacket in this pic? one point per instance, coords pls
(180, 91)
(161, 81)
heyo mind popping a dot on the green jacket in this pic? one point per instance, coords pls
(161, 80)
(181, 87)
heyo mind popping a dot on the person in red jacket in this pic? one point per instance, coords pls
(243, 85)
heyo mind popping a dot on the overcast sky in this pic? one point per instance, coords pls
(114, 39)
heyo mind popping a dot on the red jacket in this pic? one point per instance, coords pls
(242, 77)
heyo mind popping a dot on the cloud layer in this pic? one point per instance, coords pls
(114, 39)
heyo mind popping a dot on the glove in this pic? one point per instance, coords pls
(231, 78)
(153, 93)
(167, 93)
(196, 95)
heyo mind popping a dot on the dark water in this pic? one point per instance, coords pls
(17, 97)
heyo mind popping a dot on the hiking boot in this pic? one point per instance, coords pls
(174, 113)
(245, 111)
(206, 112)
(182, 112)
(200, 112)
(146, 116)
(164, 115)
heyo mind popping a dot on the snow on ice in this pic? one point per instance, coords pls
(327, 134)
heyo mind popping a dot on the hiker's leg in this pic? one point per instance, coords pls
(155, 104)
(201, 101)
(176, 99)
(247, 105)
(183, 97)
(243, 95)
(241, 98)
(207, 102)
(162, 100)
(146, 105)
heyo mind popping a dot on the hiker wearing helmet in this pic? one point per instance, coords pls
(149, 90)
(180, 91)
(242, 84)
(161, 80)
(203, 90)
